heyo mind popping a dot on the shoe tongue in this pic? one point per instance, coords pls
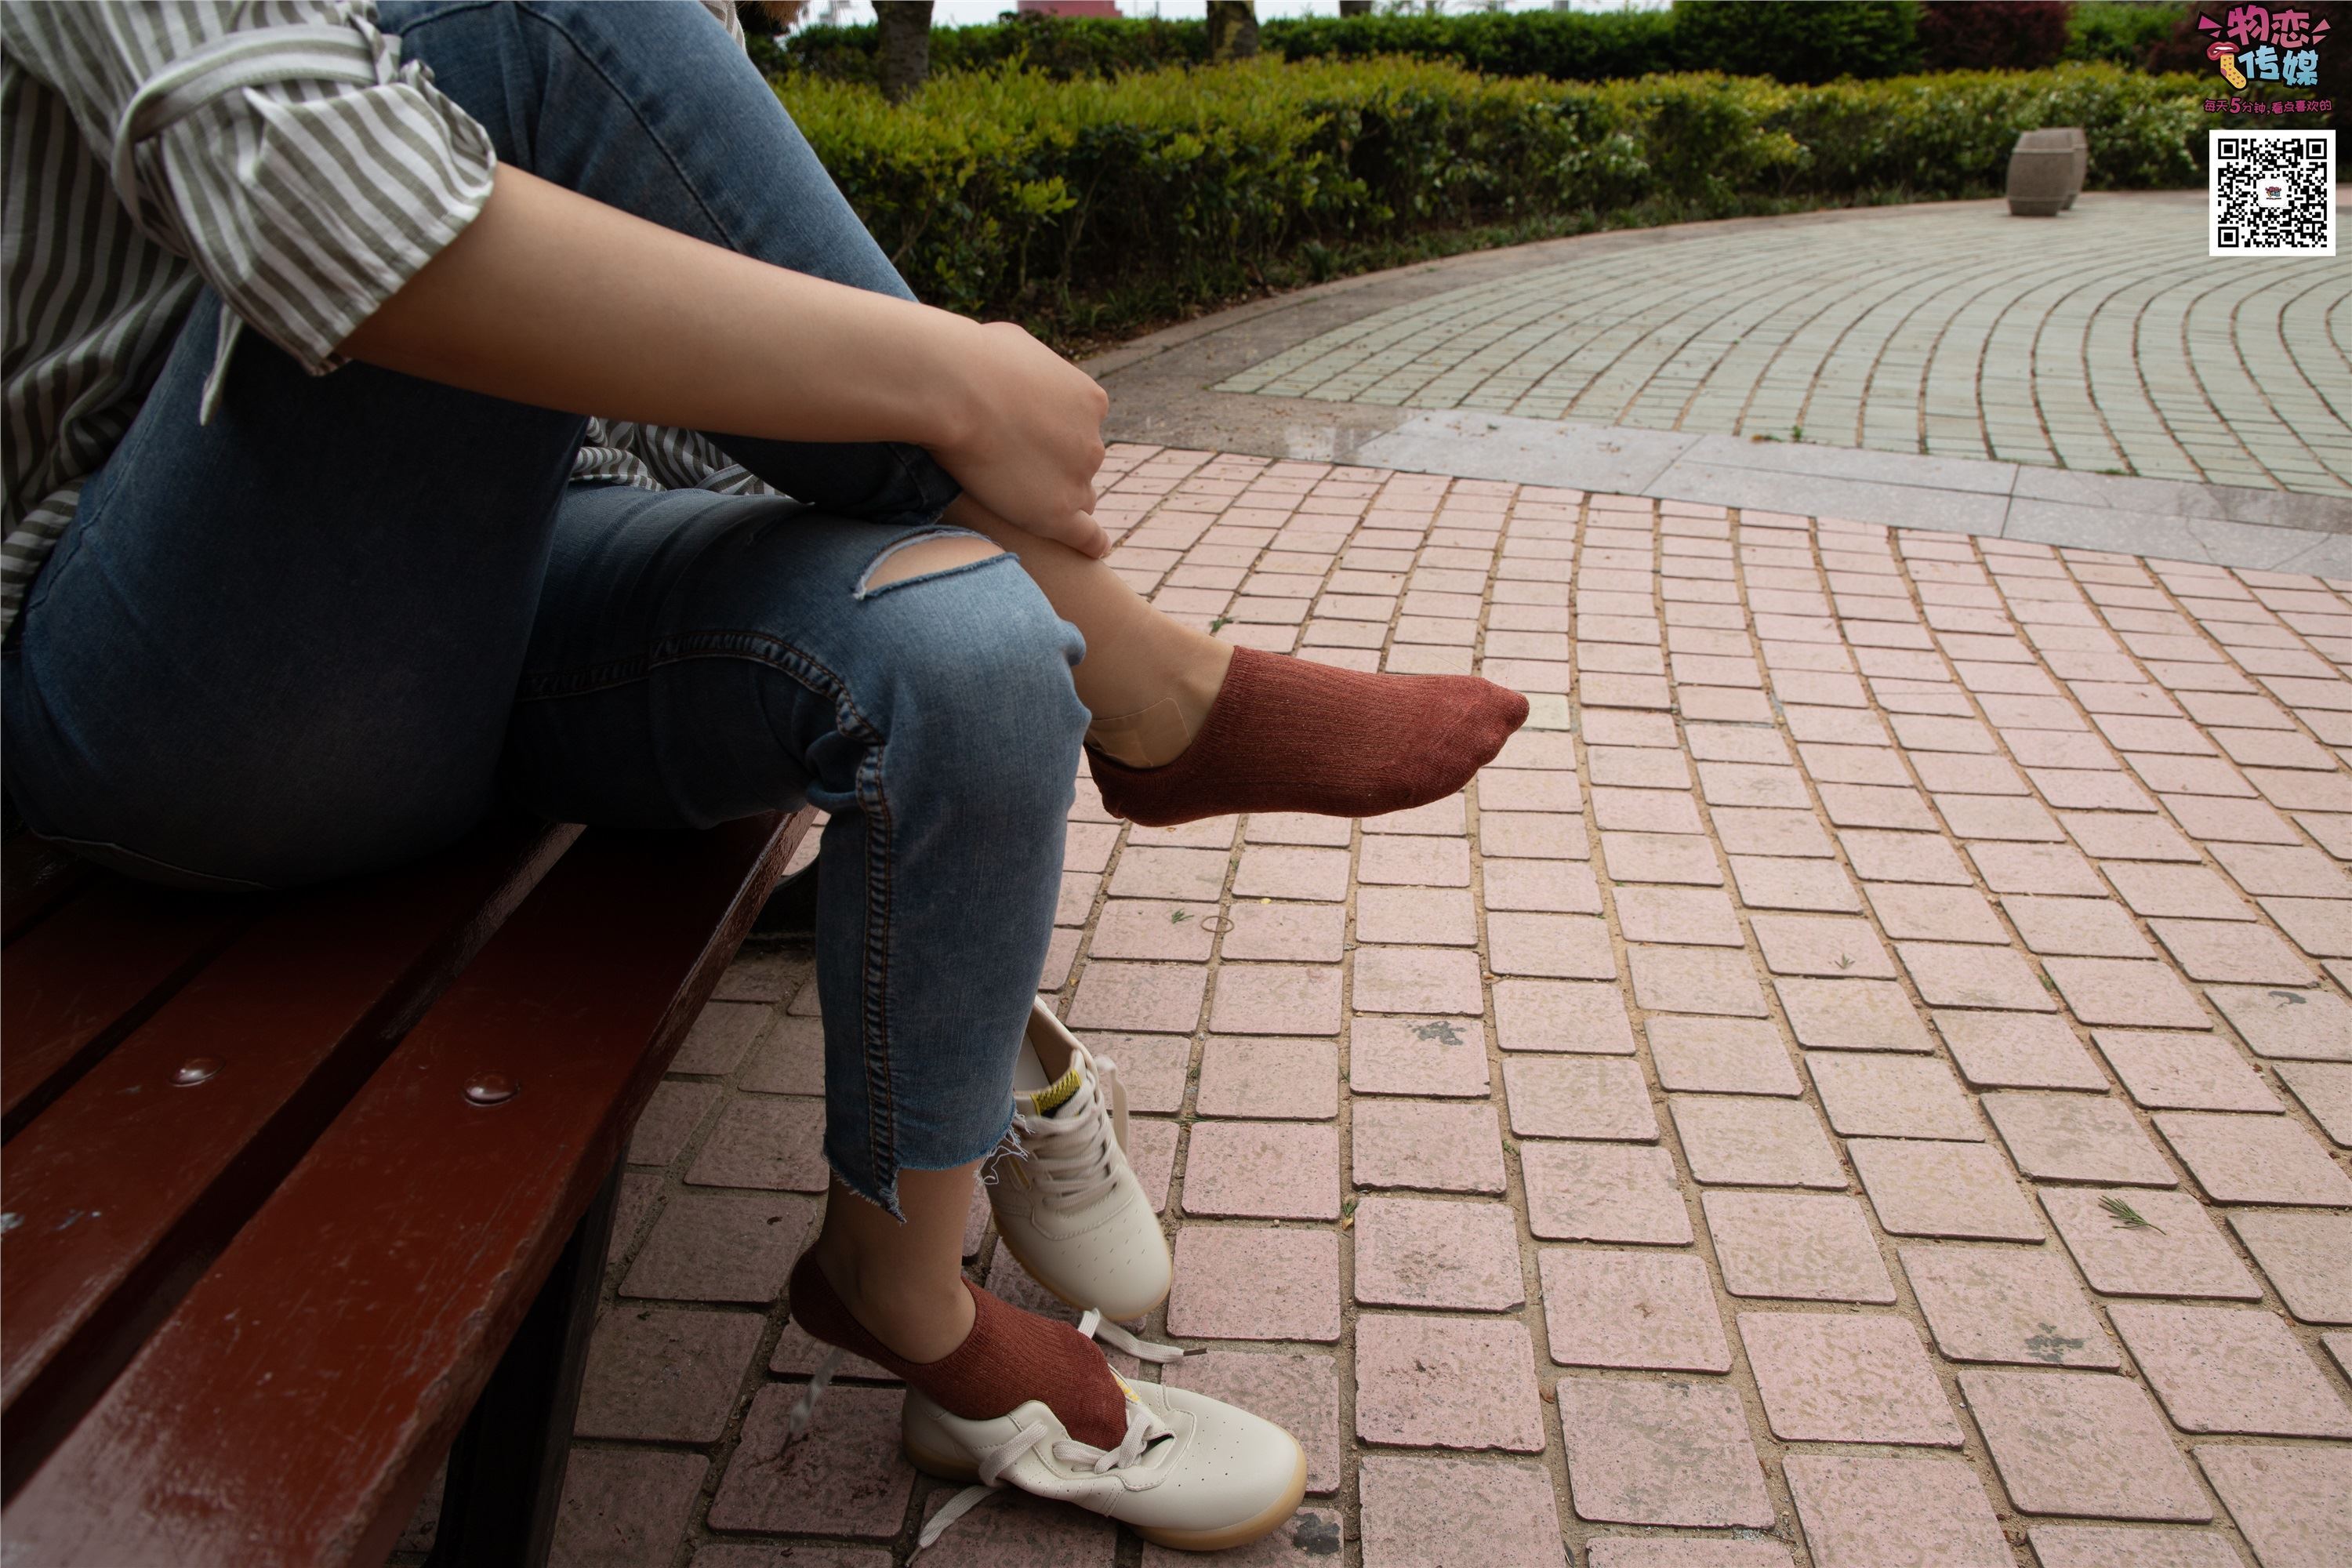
(1049, 1099)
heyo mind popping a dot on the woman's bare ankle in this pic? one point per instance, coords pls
(919, 1321)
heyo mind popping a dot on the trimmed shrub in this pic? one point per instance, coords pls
(1087, 205)
(1992, 35)
(1801, 41)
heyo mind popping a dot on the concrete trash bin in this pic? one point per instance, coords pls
(2070, 137)
(2037, 179)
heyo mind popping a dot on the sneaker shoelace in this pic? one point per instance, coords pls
(1072, 1152)
(1143, 1429)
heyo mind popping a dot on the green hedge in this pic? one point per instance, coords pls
(1089, 204)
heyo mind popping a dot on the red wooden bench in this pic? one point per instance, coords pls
(305, 1192)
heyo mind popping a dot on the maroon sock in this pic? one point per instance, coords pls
(1289, 734)
(1010, 1356)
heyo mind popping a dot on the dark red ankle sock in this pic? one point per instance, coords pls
(1289, 734)
(1010, 1356)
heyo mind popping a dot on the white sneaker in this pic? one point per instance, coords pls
(1192, 1473)
(1067, 1204)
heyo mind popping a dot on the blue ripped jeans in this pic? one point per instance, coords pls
(330, 630)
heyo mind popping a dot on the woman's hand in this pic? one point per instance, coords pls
(1029, 442)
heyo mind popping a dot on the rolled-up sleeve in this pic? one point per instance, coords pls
(282, 146)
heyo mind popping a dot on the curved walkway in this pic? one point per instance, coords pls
(2106, 341)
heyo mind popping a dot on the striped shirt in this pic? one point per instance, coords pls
(280, 151)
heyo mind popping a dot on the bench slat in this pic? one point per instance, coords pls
(292, 1409)
(89, 975)
(129, 1183)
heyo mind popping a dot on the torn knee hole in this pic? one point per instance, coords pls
(924, 555)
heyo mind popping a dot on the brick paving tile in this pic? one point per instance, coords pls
(1660, 1452)
(2057, 869)
(1602, 1192)
(1638, 1309)
(2146, 994)
(1278, 998)
(1826, 945)
(789, 1060)
(1533, 834)
(1154, 871)
(2106, 836)
(1236, 1283)
(1892, 1097)
(1736, 1140)
(2325, 1089)
(1424, 1512)
(723, 1247)
(1297, 1391)
(1294, 933)
(1562, 1016)
(1895, 1513)
(2076, 1138)
(2090, 1546)
(1846, 1378)
(1413, 862)
(2298, 1026)
(1852, 1016)
(2231, 1368)
(1554, 887)
(1935, 913)
(848, 1480)
(1772, 883)
(2174, 1071)
(2295, 871)
(740, 1554)
(765, 1140)
(1153, 998)
(2083, 1443)
(1407, 980)
(2237, 954)
(1569, 947)
(1684, 858)
(665, 1375)
(1437, 1147)
(1721, 1056)
(1264, 1169)
(2321, 927)
(1154, 928)
(1939, 1189)
(1273, 1078)
(2255, 1158)
(1444, 917)
(624, 1507)
(2340, 1347)
(1419, 1252)
(1151, 1150)
(1445, 1057)
(1796, 1247)
(2019, 1050)
(1643, 811)
(1762, 830)
(2309, 1258)
(1671, 1551)
(1600, 1098)
(1306, 1539)
(2011, 1304)
(2079, 927)
(719, 1036)
(2178, 1252)
(1696, 980)
(1446, 1382)
(2293, 1505)
(671, 1115)
(1951, 974)
(1017, 1528)
(1701, 915)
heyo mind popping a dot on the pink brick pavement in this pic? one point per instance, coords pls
(1862, 1080)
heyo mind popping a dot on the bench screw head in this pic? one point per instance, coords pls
(490, 1089)
(194, 1070)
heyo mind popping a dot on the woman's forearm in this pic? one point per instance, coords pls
(552, 299)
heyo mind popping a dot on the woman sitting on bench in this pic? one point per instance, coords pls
(268, 624)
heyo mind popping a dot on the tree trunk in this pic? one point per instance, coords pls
(903, 35)
(1355, 7)
(1232, 30)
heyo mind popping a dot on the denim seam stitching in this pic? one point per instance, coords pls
(881, 1104)
(761, 648)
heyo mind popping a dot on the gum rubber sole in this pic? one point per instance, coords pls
(1242, 1534)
